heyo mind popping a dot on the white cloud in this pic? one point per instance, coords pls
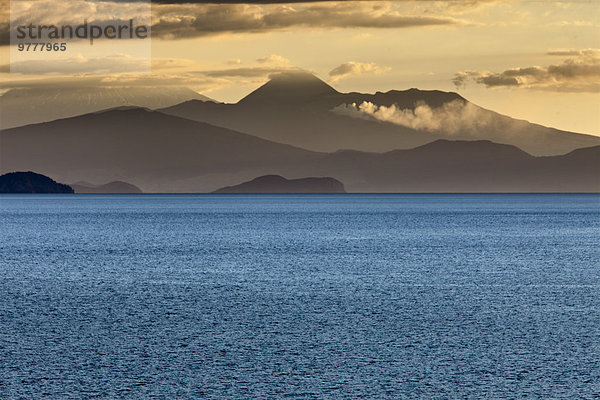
(274, 59)
(453, 117)
(352, 68)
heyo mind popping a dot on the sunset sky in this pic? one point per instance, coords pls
(534, 60)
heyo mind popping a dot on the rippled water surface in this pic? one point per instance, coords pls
(309, 297)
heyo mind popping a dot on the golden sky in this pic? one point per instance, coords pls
(533, 60)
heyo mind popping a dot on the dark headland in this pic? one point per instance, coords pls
(30, 182)
(279, 184)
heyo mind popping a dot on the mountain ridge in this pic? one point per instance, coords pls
(164, 153)
(308, 119)
(29, 105)
(136, 145)
(110, 187)
(279, 184)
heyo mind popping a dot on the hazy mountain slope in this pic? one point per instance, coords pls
(111, 187)
(148, 149)
(279, 184)
(465, 166)
(33, 105)
(440, 166)
(301, 110)
(316, 131)
(579, 168)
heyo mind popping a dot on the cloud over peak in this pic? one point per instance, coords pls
(351, 68)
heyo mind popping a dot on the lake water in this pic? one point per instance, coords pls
(308, 296)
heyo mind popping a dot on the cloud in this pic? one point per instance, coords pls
(455, 117)
(120, 63)
(248, 72)
(193, 20)
(184, 79)
(354, 68)
(454, 7)
(188, 19)
(239, 1)
(172, 63)
(274, 59)
(47, 12)
(580, 73)
(459, 5)
(575, 52)
(120, 71)
(262, 68)
(4, 34)
(80, 65)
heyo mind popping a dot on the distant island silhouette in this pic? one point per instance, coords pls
(279, 184)
(30, 182)
(111, 187)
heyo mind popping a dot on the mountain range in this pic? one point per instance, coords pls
(301, 110)
(164, 153)
(154, 151)
(298, 126)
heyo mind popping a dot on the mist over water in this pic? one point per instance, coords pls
(309, 296)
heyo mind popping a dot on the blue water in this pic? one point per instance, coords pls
(308, 297)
